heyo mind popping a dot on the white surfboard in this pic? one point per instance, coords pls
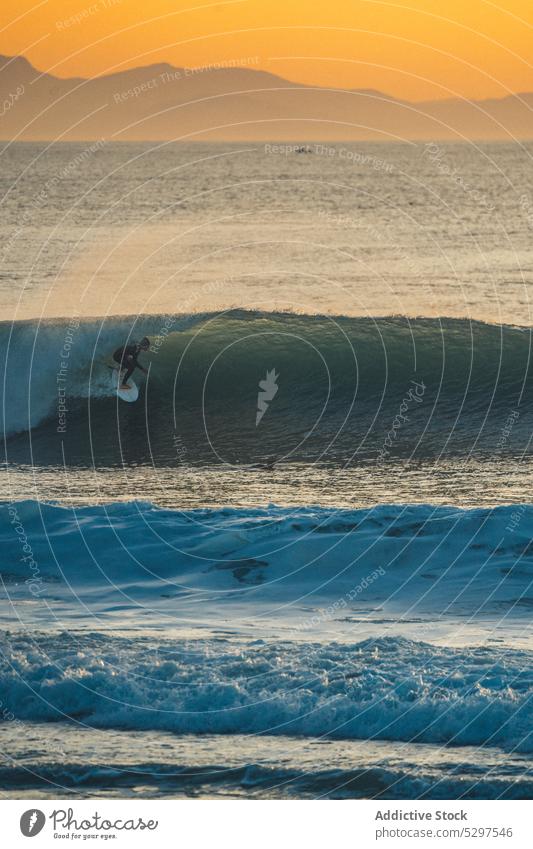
(130, 394)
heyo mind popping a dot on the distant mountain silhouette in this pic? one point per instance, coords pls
(160, 102)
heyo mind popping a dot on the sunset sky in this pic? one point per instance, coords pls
(419, 49)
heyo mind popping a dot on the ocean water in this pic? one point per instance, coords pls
(300, 565)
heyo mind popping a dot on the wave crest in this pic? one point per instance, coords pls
(343, 385)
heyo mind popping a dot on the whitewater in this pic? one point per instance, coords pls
(405, 626)
(301, 565)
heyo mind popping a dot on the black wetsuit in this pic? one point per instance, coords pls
(127, 359)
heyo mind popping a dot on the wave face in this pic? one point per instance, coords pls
(243, 386)
(380, 689)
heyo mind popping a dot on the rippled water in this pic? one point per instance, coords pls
(396, 229)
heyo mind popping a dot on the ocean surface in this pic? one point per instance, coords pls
(300, 565)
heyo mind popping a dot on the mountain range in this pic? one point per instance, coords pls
(162, 102)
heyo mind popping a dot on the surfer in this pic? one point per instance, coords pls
(126, 357)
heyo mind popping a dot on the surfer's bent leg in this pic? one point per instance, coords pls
(128, 374)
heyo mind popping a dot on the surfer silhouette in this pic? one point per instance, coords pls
(127, 356)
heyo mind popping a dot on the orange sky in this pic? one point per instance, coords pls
(415, 49)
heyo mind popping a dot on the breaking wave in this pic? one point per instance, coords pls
(380, 689)
(341, 384)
